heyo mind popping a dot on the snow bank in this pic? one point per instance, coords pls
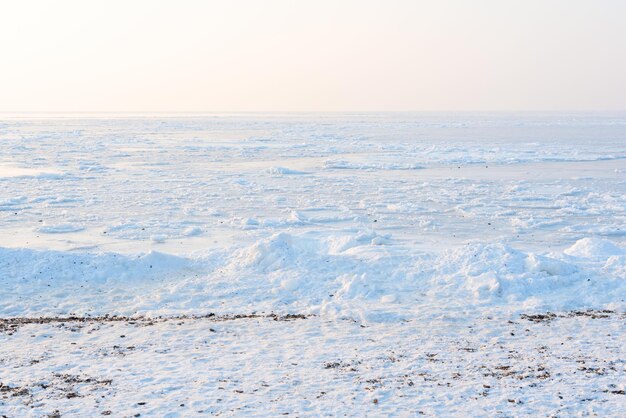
(55, 282)
(360, 275)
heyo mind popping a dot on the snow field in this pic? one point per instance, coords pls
(445, 265)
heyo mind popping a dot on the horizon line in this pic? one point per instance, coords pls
(207, 112)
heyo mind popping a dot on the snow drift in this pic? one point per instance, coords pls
(360, 276)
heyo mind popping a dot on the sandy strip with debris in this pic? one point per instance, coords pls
(548, 364)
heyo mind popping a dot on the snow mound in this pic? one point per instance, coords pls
(359, 274)
(158, 238)
(70, 266)
(192, 231)
(615, 266)
(594, 248)
(278, 252)
(497, 274)
(280, 171)
(341, 243)
(56, 282)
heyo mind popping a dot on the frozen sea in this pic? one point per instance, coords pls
(313, 264)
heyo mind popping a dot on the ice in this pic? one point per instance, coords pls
(192, 231)
(283, 171)
(435, 249)
(60, 228)
(477, 208)
(9, 171)
(158, 238)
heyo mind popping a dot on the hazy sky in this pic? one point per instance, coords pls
(296, 55)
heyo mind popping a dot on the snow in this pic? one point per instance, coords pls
(283, 171)
(397, 236)
(8, 171)
(594, 248)
(262, 367)
(59, 228)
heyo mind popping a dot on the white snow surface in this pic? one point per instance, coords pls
(381, 219)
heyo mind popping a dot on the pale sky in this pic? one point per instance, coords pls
(317, 55)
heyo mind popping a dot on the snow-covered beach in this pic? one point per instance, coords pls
(313, 264)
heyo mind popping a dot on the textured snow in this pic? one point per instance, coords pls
(388, 222)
